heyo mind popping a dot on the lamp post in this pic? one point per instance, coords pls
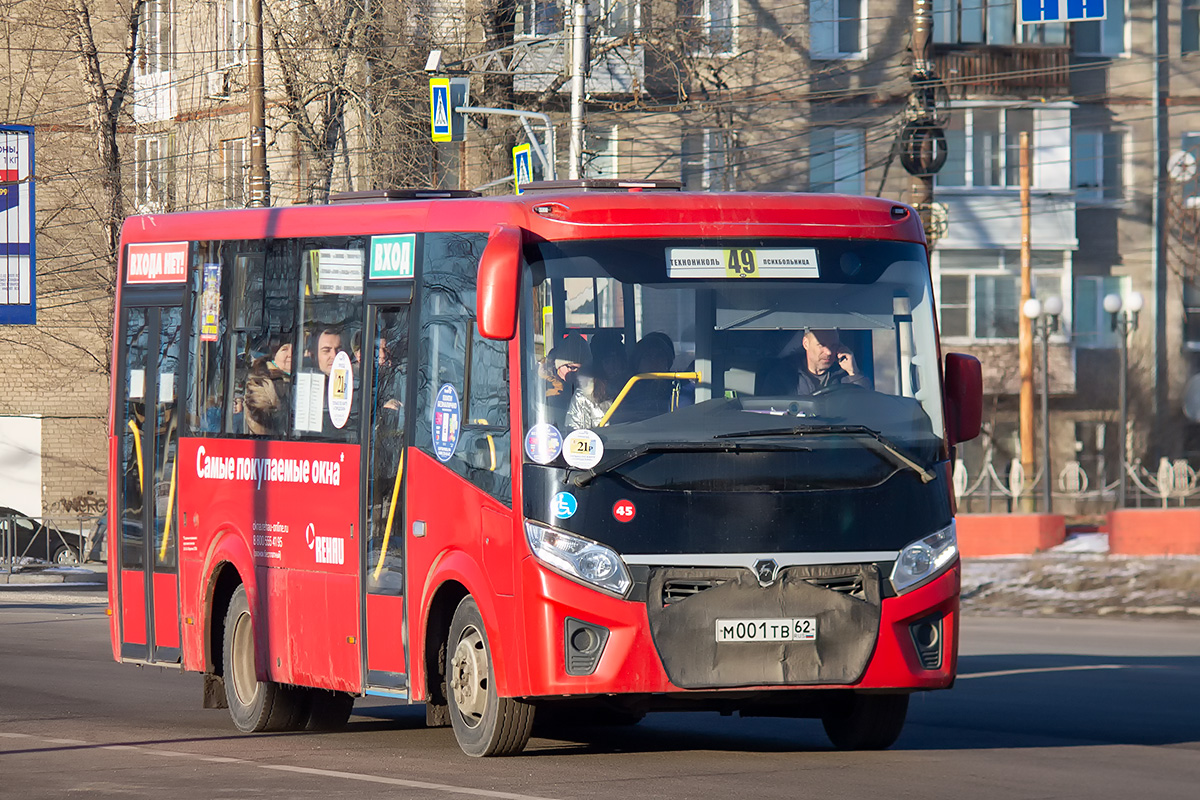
(1044, 319)
(1124, 320)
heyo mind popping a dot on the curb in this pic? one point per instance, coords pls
(89, 578)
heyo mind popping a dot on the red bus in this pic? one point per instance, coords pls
(604, 447)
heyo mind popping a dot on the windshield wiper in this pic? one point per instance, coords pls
(836, 430)
(585, 477)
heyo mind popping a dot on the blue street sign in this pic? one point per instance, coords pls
(522, 166)
(439, 109)
(1037, 11)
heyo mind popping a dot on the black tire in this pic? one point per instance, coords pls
(867, 722)
(65, 556)
(484, 723)
(328, 711)
(254, 705)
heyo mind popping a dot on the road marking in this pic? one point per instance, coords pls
(352, 776)
(437, 787)
(1033, 670)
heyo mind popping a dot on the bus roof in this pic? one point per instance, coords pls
(557, 215)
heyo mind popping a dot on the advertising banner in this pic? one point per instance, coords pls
(18, 304)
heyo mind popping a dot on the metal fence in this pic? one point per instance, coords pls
(1075, 490)
(38, 541)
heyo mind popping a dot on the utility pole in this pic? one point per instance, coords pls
(1025, 335)
(260, 177)
(923, 97)
(579, 36)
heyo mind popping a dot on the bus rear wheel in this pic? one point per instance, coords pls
(867, 721)
(484, 723)
(254, 705)
(328, 711)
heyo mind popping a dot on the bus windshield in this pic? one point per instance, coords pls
(648, 346)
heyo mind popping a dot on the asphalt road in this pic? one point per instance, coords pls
(1045, 708)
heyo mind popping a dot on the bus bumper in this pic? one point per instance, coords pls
(916, 646)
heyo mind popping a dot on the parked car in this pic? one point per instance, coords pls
(35, 539)
(131, 541)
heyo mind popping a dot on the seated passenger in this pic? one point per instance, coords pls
(600, 382)
(811, 361)
(558, 372)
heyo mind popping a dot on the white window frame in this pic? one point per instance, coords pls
(1104, 27)
(229, 194)
(825, 18)
(847, 161)
(710, 161)
(1190, 142)
(697, 16)
(601, 149)
(531, 14)
(155, 49)
(235, 32)
(1049, 280)
(1051, 146)
(151, 174)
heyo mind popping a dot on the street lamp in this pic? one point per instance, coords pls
(1044, 319)
(1124, 319)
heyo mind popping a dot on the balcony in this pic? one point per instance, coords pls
(1030, 70)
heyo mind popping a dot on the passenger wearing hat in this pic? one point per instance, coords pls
(601, 380)
(558, 372)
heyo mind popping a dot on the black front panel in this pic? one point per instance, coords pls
(886, 516)
(687, 609)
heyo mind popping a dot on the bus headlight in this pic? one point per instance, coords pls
(590, 562)
(925, 559)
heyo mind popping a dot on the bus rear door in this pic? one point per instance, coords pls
(147, 536)
(384, 405)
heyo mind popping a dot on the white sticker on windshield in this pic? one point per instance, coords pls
(583, 449)
(742, 262)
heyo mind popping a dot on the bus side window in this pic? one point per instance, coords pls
(480, 451)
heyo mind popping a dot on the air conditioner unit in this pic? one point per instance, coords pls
(216, 84)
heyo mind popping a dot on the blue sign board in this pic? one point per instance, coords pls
(1037, 11)
(439, 109)
(522, 166)
(18, 298)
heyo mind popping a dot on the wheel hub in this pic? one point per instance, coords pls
(468, 677)
(245, 681)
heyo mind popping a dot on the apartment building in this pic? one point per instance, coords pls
(725, 94)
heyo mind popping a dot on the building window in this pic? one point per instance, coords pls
(233, 171)
(1092, 325)
(1191, 313)
(606, 18)
(151, 170)
(600, 152)
(979, 291)
(234, 31)
(705, 163)
(984, 147)
(154, 38)
(837, 28)
(1097, 158)
(837, 160)
(1102, 37)
(974, 21)
(1189, 33)
(711, 25)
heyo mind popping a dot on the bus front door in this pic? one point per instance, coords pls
(384, 407)
(146, 541)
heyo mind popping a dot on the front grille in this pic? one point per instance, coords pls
(676, 590)
(843, 584)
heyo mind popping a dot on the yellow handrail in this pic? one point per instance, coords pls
(387, 532)
(162, 551)
(491, 444)
(137, 446)
(682, 376)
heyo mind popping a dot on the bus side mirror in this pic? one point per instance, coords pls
(499, 281)
(964, 397)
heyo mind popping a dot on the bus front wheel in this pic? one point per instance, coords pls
(484, 723)
(254, 705)
(867, 721)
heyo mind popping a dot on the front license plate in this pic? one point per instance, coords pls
(795, 629)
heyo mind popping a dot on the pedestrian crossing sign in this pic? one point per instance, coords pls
(439, 109)
(522, 166)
